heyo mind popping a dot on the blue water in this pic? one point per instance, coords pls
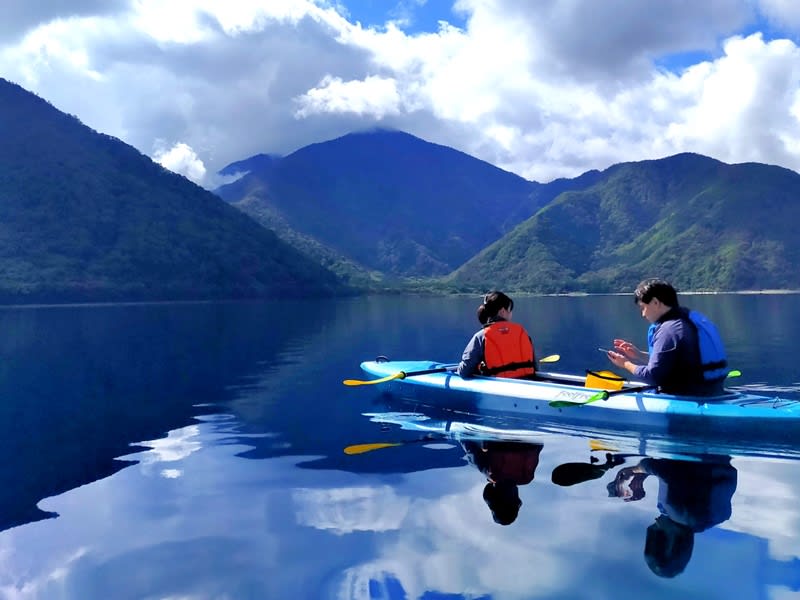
(197, 451)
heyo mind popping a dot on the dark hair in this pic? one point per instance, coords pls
(502, 498)
(668, 547)
(656, 288)
(493, 302)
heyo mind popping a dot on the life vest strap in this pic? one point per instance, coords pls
(509, 367)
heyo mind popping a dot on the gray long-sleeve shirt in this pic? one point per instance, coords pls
(473, 353)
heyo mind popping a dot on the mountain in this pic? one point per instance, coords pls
(85, 217)
(701, 223)
(387, 203)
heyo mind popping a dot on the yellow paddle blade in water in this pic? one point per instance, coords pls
(601, 446)
(362, 448)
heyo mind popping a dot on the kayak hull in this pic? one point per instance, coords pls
(733, 412)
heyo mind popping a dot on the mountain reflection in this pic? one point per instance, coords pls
(82, 384)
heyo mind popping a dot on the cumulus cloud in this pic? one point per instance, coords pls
(181, 159)
(546, 91)
(374, 96)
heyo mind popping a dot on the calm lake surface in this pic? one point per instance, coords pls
(196, 451)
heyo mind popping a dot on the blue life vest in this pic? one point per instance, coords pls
(714, 361)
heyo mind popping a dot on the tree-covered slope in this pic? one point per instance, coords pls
(699, 222)
(388, 201)
(86, 217)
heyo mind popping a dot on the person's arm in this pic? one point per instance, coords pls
(660, 367)
(660, 362)
(631, 352)
(472, 356)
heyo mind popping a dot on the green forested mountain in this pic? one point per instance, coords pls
(703, 224)
(384, 204)
(85, 217)
(388, 203)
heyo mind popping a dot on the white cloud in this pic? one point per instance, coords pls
(545, 90)
(784, 13)
(374, 96)
(183, 160)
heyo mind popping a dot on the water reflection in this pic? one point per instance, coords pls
(506, 465)
(693, 496)
(690, 494)
(81, 385)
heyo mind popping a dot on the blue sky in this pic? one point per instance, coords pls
(545, 89)
(417, 15)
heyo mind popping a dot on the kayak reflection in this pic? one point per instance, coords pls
(693, 496)
(506, 465)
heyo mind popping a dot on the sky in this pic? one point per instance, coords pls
(544, 88)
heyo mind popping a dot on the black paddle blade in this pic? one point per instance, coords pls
(572, 473)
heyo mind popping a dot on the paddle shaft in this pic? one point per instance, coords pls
(403, 374)
(605, 394)
(398, 375)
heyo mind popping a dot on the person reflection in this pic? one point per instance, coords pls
(506, 465)
(692, 497)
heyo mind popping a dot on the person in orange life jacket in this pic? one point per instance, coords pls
(500, 347)
(506, 466)
(674, 361)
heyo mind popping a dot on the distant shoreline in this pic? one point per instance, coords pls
(680, 293)
(775, 292)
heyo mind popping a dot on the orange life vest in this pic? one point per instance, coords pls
(508, 351)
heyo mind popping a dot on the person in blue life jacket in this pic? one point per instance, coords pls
(500, 348)
(693, 496)
(685, 354)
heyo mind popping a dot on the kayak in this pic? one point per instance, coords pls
(557, 398)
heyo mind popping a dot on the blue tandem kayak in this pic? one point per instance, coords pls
(558, 398)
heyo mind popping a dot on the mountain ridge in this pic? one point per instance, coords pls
(677, 217)
(85, 217)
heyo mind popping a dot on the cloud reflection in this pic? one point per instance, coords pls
(178, 445)
(345, 510)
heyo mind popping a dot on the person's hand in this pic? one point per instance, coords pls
(617, 359)
(625, 473)
(629, 351)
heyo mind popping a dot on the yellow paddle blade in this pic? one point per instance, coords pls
(735, 373)
(399, 375)
(551, 358)
(598, 445)
(362, 448)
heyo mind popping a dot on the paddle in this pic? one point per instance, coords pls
(572, 473)
(398, 375)
(363, 448)
(605, 394)
(403, 374)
